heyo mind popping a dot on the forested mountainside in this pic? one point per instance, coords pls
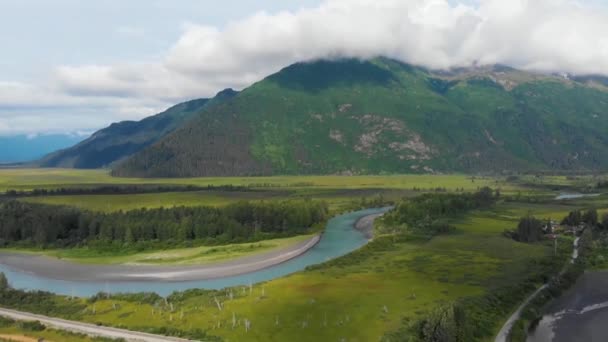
(122, 139)
(383, 116)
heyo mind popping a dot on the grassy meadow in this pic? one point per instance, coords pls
(27, 179)
(361, 296)
(16, 332)
(109, 203)
(339, 191)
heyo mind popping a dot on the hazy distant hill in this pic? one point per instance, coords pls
(122, 139)
(383, 116)
(23, 148)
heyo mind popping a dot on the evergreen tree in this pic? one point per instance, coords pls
(590, 217)
(3, 282)
(529, 229)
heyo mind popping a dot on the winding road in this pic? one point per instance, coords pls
(87, 329)
(503, 334)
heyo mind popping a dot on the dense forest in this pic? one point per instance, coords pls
(30, 225)
(428, 214)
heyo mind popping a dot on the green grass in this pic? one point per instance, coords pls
(338, 200)
(359, 297)
(27, 179)
(182, 256)
(109, 203)
(14, 333)
(339, 191)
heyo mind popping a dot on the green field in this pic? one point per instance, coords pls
(108, 203)
(362, 296)
(338, 200)
(182, 256)
(383, 287)
(339, 191)
(15, 333)
(27, 179)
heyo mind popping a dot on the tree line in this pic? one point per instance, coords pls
(531, 229)
(428, 213)
(121, 190)
(39, 225)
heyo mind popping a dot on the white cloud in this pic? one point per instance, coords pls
(544, 35)
(552, 35)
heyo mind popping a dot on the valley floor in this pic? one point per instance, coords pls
(375, 293)
(380, 288)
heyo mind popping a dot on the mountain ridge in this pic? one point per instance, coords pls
(122, 139)
(383, 116)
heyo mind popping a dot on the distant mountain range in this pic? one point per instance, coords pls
(121, 140)
(366, 117)
(22, 148)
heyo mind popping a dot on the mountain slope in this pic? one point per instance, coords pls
(123, 139)
(383, 116)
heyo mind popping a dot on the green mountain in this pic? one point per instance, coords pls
(120, 140)
(382, 116)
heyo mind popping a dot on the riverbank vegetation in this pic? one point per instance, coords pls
(35, 225)
(428, 214)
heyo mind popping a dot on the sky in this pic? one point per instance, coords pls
(73, 66)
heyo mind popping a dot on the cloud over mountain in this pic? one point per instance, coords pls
(544, 35)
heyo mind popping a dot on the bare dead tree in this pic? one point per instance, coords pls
(247, 325)
(217, 302)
